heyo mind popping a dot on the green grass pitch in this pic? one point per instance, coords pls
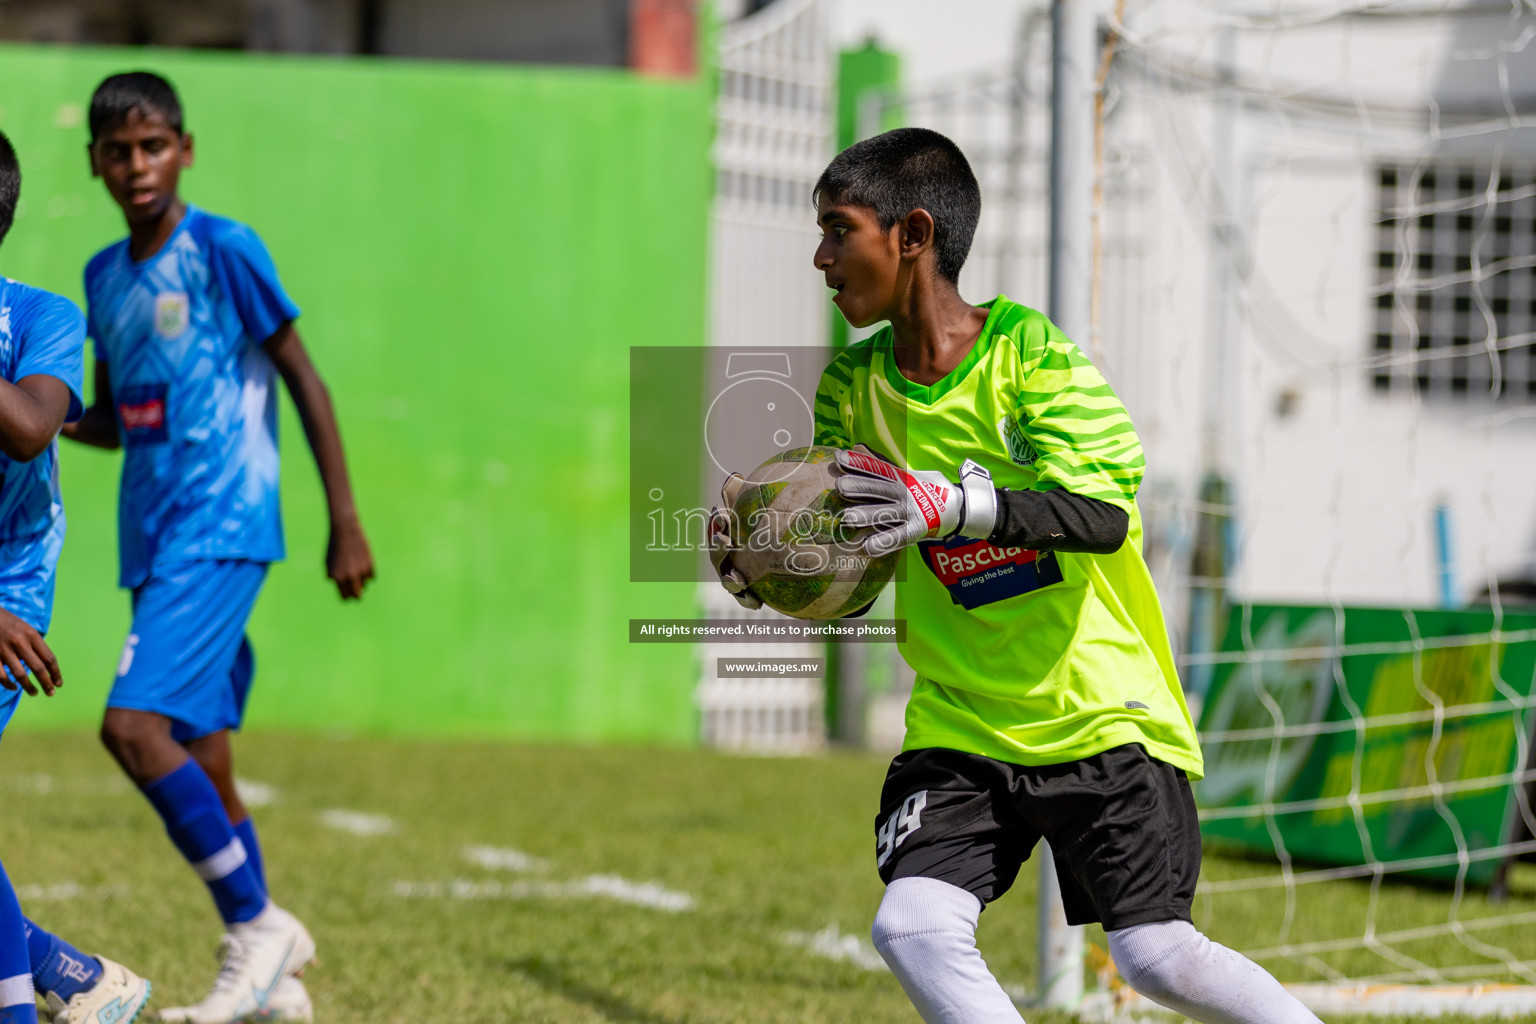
(411, 930)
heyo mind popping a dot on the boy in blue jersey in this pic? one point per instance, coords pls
(191, 326)
(41, 375)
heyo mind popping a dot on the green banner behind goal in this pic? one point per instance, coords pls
(1378, 740)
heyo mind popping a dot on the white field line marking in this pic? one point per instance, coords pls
(1415, 1000)
(831, 944)
(358, 823)
(256, 794)
(502, 858)
(640, 894)
(61, 891)
(40, 784)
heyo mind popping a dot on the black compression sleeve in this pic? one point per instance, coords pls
(1058, 521)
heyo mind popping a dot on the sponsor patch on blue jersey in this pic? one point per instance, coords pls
(978, 572)
(181, 334)
(141, 410)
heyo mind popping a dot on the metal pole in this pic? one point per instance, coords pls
(1061, 944)
(1211, 559)
(1072, 74)
(1218, 440)
(1445, 556)
(1073, 67)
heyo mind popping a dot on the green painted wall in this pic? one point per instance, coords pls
(859, 72)
(475, 250)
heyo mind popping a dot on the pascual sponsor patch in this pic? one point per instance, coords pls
(978, 572)
(141, 407)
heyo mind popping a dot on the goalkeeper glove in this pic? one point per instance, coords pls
(721, 546)
(904, 506)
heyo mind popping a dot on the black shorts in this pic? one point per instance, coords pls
(1121, 825)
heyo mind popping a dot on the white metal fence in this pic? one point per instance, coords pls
(774, 129)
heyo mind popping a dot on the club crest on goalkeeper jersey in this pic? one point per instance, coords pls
(40, 333)
(1027, 657)
(181, 334)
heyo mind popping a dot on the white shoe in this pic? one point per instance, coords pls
(115, 999)
(256, 957)
(289, 1002)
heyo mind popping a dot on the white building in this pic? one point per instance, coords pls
(1354, 350)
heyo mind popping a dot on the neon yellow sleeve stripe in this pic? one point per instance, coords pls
(830, 395)
(1126, 468)
(1070, 422)
(1072, 416)
(840, 373)
(1066, 386)
(831, 435)
(826, 407)
(1052, 430)
(1059, 358)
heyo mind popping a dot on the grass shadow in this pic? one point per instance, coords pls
(561, 981)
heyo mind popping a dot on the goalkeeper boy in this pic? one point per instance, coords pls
(1046, 705)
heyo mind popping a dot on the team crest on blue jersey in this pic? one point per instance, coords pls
(172, 314)
(1019, 449)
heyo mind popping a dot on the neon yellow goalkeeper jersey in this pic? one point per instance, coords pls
(1028, 657)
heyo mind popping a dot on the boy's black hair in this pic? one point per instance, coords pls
(134, 92)
(904, 170)
(10, 184)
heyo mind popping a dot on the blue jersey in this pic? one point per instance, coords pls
(40, 333)
(181, 334)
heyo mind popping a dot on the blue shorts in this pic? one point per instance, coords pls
(8, 701)
(26, 591)
(187, 656)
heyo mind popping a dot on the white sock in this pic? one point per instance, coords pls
(926, 931)
(1173, 964)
